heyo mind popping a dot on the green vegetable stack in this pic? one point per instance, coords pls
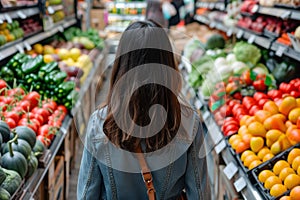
(66, 94)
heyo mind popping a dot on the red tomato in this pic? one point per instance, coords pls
(286, 87)
(51, 105)
(259, 85)
(62, 108)
(238, 96)
(273, 94)
(16, 92)
(25, 105)
(253, 110)
(2, 85)
(46, 141)
(260, 95)
(48, 131)
(13, 115)
(43, 112)
(231, 128)
(7, 99)
(18, 110)
(28, 123)
(3, 106)
(246, 77)
(233, 102)
(10, 122)
(57, 124)
(262, 102)
(240, 111)
(295, 94)
(33, 98)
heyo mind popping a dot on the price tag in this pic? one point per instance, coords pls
(27, 46)
(212, 24)
(21, 15)
(240, 34)
(60, 29)
(206, 115)
(251, 39)
(51, 10)
(240, 184)
(280, 51)
(286, 14)
(230, 170)
(255, 8)
(8, 18)
(229, 32)
(220, 147)
(20, 48)
(198, 104)
(222, 6)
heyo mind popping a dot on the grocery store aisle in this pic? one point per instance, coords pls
(100, 99)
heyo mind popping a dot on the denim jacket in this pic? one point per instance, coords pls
(98, 180)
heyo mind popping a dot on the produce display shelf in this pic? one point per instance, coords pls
(211, 5)
(32, 185)
(19, 7)
(285, 50)
(202, 19)
(134, 4)
(21, 44)
(21, 13)
(125, 17)
(279, 12)
(54, 8)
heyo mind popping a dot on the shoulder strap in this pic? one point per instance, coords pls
(146, 173)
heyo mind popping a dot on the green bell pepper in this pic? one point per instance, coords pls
(49, 67)
(32, 65)
(58, 78)
(64, 89)
(71, 99)
(31, 78)
(49, 77)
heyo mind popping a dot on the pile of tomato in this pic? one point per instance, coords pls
(18, 108)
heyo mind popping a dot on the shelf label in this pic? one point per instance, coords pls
(240, 184)
(20, 48)
(60, 29)
(21, 15)
(206, 115)
(255, 8)
(8, 18)
(251, 39)
(220, 147)
(286, 14)
(198, 104)
(229, 32)
(230, 170)
(50, 10)
(240, 34)
(280, 51)
(27, 46)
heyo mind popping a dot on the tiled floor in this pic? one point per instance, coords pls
(100, 99)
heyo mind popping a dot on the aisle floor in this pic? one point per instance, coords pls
(100, 99)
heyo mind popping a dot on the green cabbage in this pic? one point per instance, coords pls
(246, 52)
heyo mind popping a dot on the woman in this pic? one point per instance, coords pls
(143, 113)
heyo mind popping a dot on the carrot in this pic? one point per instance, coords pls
(285, 36)
(284, 41)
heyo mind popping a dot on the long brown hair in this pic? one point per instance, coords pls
(140, 44)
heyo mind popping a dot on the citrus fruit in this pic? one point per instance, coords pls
(268, 157)
(285, 172)
(285, 198)
(234, 138)
(257, 129)
(244, 119)
(254, 163)
(246, 154)
(298, 170)
(250, 159)
(296, 163)
(263, 175)
(272, 180)
(293, 154)
(243, 130)
(292, 181)
(279, 166)
(277, 190)
(261, 115)
(264, 151)
(271, 107)
(250, 120)
(295, 193)
(294, 114)
(241, 147)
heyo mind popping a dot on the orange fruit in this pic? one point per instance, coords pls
(293, 154)
(233, 138)
(268, 157)
(298, 171)
(247, 138)
(257, 129)
(244, 119)
(246, 154)
(296, 163)
(285, 198)
(271, 107)
(279, 166)
(295, 193)
(264, 151)
(287, 104)
(285, 172)
(250, 120)
(275, 122)
(243, 130)
(294, 114)
(248, 160)
(292, 181)
(298, 102)
(236, 143)
(273, 135)
(288, 123)
(263, 175)
(262, 115)
(272, 180)
(241, 147)
(254, 164)
(277, 190)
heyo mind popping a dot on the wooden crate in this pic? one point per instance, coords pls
(56, 179)
(41, 192)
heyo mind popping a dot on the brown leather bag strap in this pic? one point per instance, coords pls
(146, 173)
